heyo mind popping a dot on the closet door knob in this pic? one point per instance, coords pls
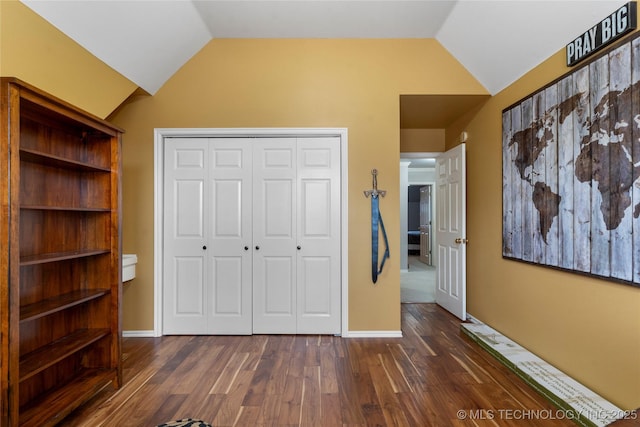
(257, 248)
(204, 248)
(299, 247)
(246, 248)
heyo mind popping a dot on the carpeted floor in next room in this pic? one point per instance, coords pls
(418, 283)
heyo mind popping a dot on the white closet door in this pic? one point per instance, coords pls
(230, 236)
(185, 275)
(274, 243)
(318, 236)
(252, 236)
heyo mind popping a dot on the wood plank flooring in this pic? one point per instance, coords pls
(433, 376)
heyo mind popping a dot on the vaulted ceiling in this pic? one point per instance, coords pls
(497, 41)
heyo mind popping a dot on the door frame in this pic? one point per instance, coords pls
(158, 216)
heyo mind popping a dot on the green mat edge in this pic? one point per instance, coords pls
(576, 416)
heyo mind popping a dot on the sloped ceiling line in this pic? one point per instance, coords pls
(498, 41)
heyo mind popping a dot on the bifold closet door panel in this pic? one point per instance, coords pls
(230, 236)
(185, 276)
(274, 236)
(318, 236)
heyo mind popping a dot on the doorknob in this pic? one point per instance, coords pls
(257, 248)
(459, 240)
(298, 247)
(246, 248)
(204, 248)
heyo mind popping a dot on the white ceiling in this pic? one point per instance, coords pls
(147, 41)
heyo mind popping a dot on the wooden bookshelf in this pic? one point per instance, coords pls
(56, 161)
(60, 263)
(86, 383)
(52, 305)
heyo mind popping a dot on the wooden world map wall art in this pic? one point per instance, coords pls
(571, 168)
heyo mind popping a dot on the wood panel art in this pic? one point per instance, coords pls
(571, 168)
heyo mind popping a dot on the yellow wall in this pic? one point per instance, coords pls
(36, 52)
(586, 327)
(422, 140)
(354, 84)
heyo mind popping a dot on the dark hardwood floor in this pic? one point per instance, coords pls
(433, 376)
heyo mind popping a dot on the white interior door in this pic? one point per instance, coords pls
(207, 205)
(252, 235)
(230, 236)
(274, 243)
(185, 274)
(318, 236)
(451, 231)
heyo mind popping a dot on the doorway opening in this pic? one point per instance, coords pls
(418, 268)
(424, 123)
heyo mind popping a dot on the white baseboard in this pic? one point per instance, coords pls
(138, 334)
(350, 334)
(373, 334)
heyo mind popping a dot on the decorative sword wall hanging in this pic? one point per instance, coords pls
(376, 220)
